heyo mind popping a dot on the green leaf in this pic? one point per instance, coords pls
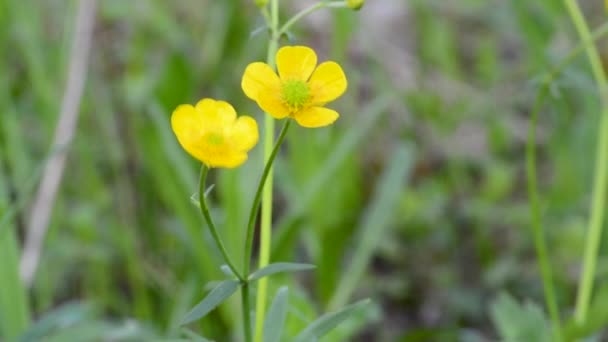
(62, 317)
(192, 336)
(376, 221)
(219, 294)
(517, 322)
(279, 267)
(14, 308)
(327, 322)
(227, 271)
(273, 326)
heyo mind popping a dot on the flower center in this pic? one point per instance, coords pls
(214, 139)
(295, 93)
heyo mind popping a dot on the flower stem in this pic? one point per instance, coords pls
(307, 11)
(258, 196)
(245, 301)
(251, 225)
(266, 220)
(539, 238)
(598, 202)
(216, 236)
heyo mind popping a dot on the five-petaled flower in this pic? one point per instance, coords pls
(301, 88)
(212, 133)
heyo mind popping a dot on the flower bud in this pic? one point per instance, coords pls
(261, 3)
(357, 4)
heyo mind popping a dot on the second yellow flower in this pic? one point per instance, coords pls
(300, 90)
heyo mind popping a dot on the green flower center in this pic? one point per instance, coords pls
(214, 139)
(295, 93)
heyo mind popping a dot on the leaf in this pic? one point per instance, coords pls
(14, 308)
(376, 222)
(192, 336)
(516, 322)
(275, 321)
(279, 267)
(227, 271)
(327, 322)
(219, 294)
(66, 315)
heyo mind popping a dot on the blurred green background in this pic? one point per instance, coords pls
(415, 198)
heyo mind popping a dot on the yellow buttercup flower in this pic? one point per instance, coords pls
(300, 90)
(212, 133)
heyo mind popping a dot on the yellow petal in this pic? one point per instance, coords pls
(316, 117)
(229, 160)
(296, 62)
(257, 78)
(244, 134)
(215, 115)
(187, 126)
(327, 83)
(270, 101)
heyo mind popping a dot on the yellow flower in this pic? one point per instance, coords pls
(211, 133)
(301, 88)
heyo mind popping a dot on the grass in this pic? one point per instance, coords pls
(415, 198)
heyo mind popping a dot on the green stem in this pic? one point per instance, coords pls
(214, 233)
(594, 230)
(307, 11)
(253, 214)
(266, 220)
(539, 238)
(251, 225)
(245, 301)
(532, 177)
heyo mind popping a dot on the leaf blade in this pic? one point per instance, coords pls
(279, 267)
(328, 321)
(219, 294)
(275, 320)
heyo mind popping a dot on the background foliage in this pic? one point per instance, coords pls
(416, 198)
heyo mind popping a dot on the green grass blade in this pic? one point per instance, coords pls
(286, 228)
(219, 294)
(279, 267)
(275, 320)
(14, 310)
(327, 322)
(377, 219)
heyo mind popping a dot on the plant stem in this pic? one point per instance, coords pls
(216, 236)
(266, 220)
(539, 238)
(258, 196)
(594, 231)
(251, 225)
(245, 301)
(532, 177)
(307, 11)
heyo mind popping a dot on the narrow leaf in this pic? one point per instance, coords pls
(376, 221)
(279, 267)
(273, 326)
(327, 322)
(219, 294)
(192, 336)
(227, 271)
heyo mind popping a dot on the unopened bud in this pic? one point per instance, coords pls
(261, 3)
(357, 4)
